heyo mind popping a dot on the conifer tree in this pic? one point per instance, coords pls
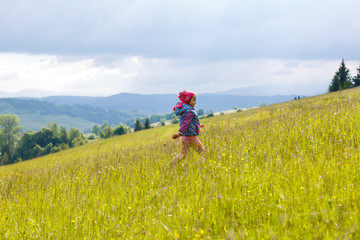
(356, 79)
(341, 79)
(335, 84)
(138, 125)
(147, 123)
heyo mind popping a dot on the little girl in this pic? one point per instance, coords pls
(189, 125)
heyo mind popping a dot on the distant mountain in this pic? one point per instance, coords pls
(162, 103)
(285, 89)
(85, 112)
(35, 114)
(153, 103)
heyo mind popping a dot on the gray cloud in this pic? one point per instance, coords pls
(207, 30)
(96, 77)
(106, 47)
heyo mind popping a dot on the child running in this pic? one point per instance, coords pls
(189, 126)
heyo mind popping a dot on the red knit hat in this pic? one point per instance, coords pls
(185, 96)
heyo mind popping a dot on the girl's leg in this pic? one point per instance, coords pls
(185, 147)
(199, 147)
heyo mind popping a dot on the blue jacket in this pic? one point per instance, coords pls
(181, 110)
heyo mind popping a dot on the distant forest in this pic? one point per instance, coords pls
(94, 114)
(85, 112)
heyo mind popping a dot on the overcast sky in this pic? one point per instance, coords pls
(100, 48)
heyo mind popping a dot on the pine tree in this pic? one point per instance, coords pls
(147, 123)
(356, 79)
(138, 125)
(335, 84)
(341, 79)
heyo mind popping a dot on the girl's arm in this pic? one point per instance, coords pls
(184, 126)
(186, 123)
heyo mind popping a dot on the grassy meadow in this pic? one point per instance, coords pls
(286, 171)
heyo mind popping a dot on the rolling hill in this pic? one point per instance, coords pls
(286, 171)
(163, 103)
(35, 114)
(85, 112)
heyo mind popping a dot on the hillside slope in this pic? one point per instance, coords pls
(35, 114)
(287, 171)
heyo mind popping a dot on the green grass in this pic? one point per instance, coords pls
(287, 171)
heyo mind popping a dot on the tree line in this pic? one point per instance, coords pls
(106, 130)
(90, 113)
(343, 80)
(16, 146)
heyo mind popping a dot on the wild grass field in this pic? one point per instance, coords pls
(286, 171)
